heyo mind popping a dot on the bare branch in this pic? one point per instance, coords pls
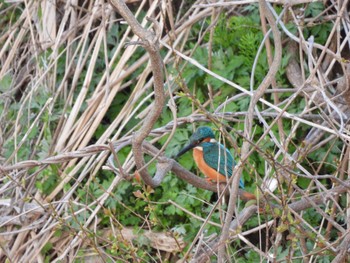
(150, 43)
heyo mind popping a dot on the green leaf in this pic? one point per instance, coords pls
(170, 210)
(5, 83)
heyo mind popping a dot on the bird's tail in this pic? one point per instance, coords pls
(246, 196)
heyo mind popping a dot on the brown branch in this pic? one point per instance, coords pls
(150, 43)
(184, 174)
(60, 158)
(343, 254)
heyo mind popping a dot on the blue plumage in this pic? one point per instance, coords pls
(202, 133)
(215, 154)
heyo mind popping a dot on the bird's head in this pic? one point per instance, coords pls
(202, 134)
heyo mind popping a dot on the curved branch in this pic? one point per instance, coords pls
(184, 174)
(150, 42)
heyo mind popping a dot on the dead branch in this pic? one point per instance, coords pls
(149, 41)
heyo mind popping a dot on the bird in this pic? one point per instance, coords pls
(213, 159)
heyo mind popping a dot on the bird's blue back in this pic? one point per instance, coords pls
(216, 154)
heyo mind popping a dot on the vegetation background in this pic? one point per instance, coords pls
(79, 88)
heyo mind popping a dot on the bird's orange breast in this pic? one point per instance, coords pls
(206, 169)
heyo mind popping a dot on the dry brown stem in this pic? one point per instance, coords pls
(149, 41)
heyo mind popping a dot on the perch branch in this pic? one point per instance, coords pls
(150, 43)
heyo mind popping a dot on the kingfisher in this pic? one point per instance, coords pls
(213, 159)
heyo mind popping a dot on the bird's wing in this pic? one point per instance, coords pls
(216, 154)
(218, 158)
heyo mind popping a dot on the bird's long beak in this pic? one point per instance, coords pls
(185, 149)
